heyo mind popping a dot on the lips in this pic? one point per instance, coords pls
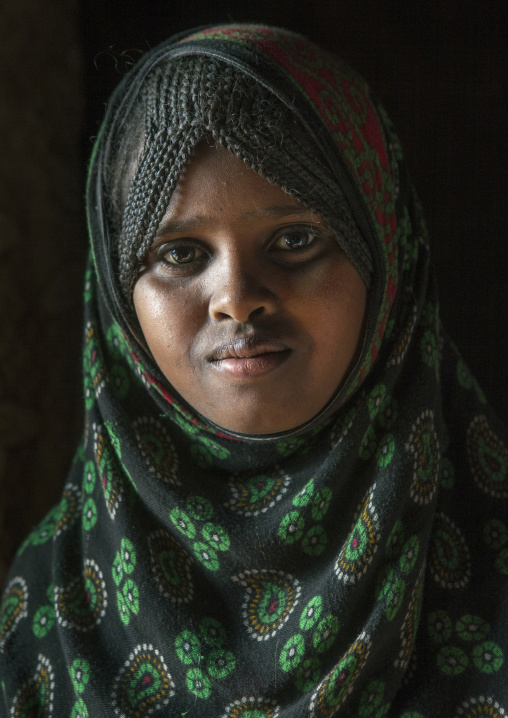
(249, 357)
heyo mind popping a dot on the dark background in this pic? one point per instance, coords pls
(440, 69)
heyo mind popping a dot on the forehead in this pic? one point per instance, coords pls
(216, 183)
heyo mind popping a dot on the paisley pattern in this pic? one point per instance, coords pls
(171, 565)
(449, 558)
(109, 475)
(252, 708)
(361, 544)
(82, 603)
(37, 695)
(14, 607)
(252, 494)
(270, 598)
(144, 685)
(488, 458)
(481, 706)
(334, 689)
(356, 566)
(424, 446)
(157, 448)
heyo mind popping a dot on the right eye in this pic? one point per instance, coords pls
(182, 254)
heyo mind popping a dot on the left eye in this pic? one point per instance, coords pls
(183, 255)
(294, 239)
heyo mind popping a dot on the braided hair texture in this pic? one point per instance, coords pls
(191, 99)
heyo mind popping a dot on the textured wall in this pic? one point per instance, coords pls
(41, 249)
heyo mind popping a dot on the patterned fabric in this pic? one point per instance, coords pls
(357, 566)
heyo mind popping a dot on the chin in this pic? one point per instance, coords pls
(249, 423)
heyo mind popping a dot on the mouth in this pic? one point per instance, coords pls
(249, 357)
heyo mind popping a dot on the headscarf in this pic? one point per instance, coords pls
(355, 566)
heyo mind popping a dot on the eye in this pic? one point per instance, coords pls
(294, 239)
(182, 254)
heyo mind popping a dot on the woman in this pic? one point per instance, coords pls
(290, 499)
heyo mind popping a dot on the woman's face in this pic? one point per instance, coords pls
(246, 301)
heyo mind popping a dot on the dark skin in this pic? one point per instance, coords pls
(249, 306)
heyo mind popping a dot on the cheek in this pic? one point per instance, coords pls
(341, 323)
(165, 322)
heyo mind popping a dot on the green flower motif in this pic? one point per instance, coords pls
(371, 698)
(439, 626)
(385, 451)
(88, 284)
(321, 503)
(259, 486)
(188, 648)
(206, 554)
(186, 425)
(182, 522)
(452, 660)
(305, 495)
(43, 621)
(311, 613)
(368, 445)
(216, 536)
(472, 628)
(428, 348)
(325, 633)
(89, 514)
(80, 674)
(376, 399)
(388, 413)
(315, 541)
(89, 392)
(116, 342)
(286, 448)
(220, 663)
(128, 555)
(89, 477)
(119, 381)
(79, 709)
(202, 456)
(394, 597)
(390, 588)
(446, 473)
(117, 569)
(501, 562)
(291, 527)
(395, 541)
(292, 653)
(495, 533)
(128, 601)
(409, 555)
(43, 533)
(307, 674)
(199, 508)
(212, 632)
(488, 657)
(214, 448)
(198, 683)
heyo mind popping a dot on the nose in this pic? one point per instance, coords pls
(240, 292)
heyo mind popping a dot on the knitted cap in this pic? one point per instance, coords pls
(191, 98)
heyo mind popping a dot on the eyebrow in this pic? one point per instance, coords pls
(272, 212)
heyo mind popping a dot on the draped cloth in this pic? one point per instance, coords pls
(355, 566)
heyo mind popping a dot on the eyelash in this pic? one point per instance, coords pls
(163, 251)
